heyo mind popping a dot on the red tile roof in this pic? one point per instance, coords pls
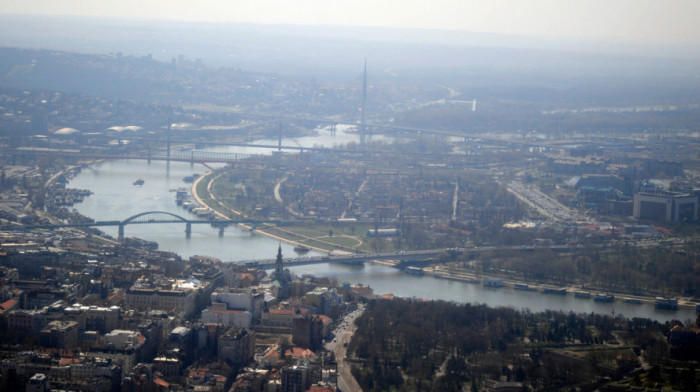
(319, 388)
(67, 361)
(162, 383)
(249, 276)
(298, 352)
(223, 311)
(7, 305)
(361, 289)
(283, 311)
(662, 230)
(295, 352)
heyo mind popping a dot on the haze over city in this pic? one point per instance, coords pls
(349, 196)
(647, 21)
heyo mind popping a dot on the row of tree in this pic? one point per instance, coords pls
(617, 268)
(408, 345)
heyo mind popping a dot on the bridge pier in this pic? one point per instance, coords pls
(188, 229)
(221, 231)
(120, 237)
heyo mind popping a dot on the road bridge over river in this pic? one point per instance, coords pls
(355, 259)
(150, 217)
(191, 156)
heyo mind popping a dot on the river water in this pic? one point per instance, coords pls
(116, 198)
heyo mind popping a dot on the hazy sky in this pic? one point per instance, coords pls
(652, 21)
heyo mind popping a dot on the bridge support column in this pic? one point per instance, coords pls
(221, 231)
(188, 229)
(120, 237)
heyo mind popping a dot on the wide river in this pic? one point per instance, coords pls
(116, 198)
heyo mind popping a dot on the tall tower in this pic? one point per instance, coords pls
(279, 138)
(364, 98)
(170, 124)
(279, 266)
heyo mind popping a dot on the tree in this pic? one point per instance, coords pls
(377, 244)
(284, 345)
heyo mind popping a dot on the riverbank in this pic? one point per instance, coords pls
(467, 277)
(439, 272)
(218, 212)
(69, 173)
(116, 198)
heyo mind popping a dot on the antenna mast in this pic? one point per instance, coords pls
(364, 98)
(170, 123)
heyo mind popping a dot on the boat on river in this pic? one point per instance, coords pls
(600, 297)
(139, 182)
(190, 178)
(493, 282)
(549, 290)
(414, 271)
(301, 249)
(666, 303)
(180, 196)
(582, 294)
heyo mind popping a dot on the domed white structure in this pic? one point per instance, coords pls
(66, 132)
(120, 129)
(182, 126)
(116, 128)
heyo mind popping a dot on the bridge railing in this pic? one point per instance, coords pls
(196, 155)
(180, 155)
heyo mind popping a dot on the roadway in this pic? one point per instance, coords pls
(545, 204)
(418, 255)
(425, 255)
(343, 335)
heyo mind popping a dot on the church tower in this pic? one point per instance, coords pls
(279, 266)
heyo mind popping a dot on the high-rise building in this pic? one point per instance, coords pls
(237, 346)
(38, 383)
(295, 379)
(307, 332)
(666, 207)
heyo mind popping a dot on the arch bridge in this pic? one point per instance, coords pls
(151, 217)
(160, 217)
(157, 217)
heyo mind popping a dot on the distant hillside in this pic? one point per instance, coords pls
(113, 76)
